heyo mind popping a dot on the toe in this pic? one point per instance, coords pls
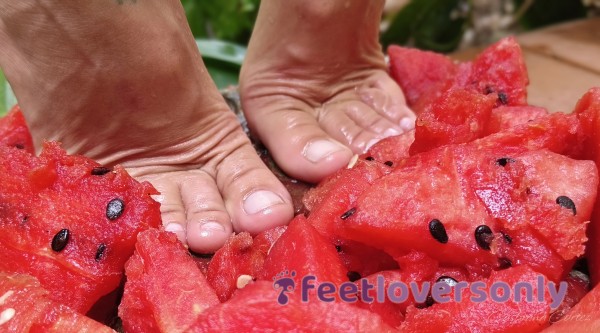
(172, 209)
(356, 124)
(298, 143)
(208, 223)
(254, 197)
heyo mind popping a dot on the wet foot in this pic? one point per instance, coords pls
(118, 87)
(314, 85)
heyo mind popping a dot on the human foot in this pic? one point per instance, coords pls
(112, 86)
(314, 85)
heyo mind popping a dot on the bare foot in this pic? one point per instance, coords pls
(122, 82)
(314, 85)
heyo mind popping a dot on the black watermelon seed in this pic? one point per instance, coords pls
(388, 163)
(504, 263)
(338, 248)
(100, 251)
(114, 209)
(484, 236)
(370, 158)
(353, 276)
(567, 203)
(348, 213)
(507, 238)
(19, 146)
(100, 171)
(438, 231)
(504, 161)
(447, 280)
(25, 218)
(503, 98)
(60, 240)
(488, 90)
(428, 302)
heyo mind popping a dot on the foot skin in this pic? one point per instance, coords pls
(315, 87)
(100, 79)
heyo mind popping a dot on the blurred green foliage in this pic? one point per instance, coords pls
(229, 20)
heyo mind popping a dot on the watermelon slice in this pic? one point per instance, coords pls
(70, 222)
(165, 291)
(14, 131)
(255, 309)
(26, 307)
(505, 117)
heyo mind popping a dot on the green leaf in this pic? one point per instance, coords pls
(547, 12)
(403, 24)
(223, 60)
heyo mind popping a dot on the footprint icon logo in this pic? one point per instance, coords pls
(285, 282)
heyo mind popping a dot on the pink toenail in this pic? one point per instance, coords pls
(316, 151)
(261, 201)
(391, 132)
(407, 123)
(177, 229)
(209, 228)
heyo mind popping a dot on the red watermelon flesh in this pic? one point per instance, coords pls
(393, 149)
(165, 291)
(588, 113)
(456, 189)
(14, 131)
(584, 317)
(505, 117)
(26, 307)
(336, 195)
(457, 116)
(255, 309)
(487, 316)
(302, 251)
(69, 222)
(241, 255)
(498, 71)
(391, 312)
(363, 259)
(421, 74)
(578, 285)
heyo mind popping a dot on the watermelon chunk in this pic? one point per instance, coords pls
(505, 117)
(421, 74)
(70, 222)
(588, 112)
(317, 257)
(488, 315)
(14, 131)
(165, 291)
(255, 309)
(583, 318)
(241, 255)
(438, 201)
(394, 149)
(26, 307)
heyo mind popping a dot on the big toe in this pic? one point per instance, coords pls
(254, 198)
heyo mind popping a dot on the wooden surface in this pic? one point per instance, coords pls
(563, 62)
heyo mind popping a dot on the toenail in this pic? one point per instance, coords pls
(316, 151)
(371, 143)
(391, 132)
(177, 229)
(209, 228)
(407, 123)
(261, 201)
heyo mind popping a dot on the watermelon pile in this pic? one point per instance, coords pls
(485, 218)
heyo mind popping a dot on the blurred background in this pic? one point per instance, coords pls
(222, 28)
